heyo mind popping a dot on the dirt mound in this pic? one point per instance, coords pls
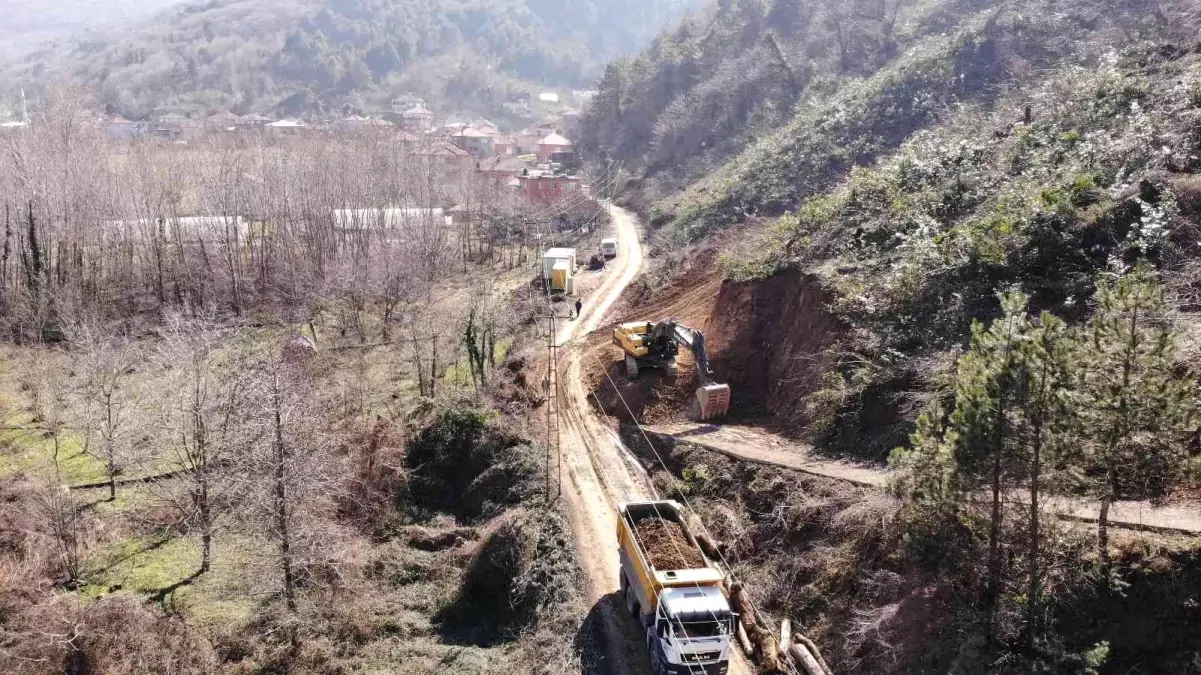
(667, 545)
(655, 397)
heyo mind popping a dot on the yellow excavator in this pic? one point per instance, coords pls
(655, 345)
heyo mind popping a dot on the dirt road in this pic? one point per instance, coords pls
(756, 445)
(598, 471)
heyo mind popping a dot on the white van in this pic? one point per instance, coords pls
(609, 248)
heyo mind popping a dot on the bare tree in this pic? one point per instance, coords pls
(59, 517)
(45, 381)
(291, 470)
(105, 361)
(203, 428)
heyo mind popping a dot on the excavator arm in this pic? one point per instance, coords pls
(713, 399)
(694, 340)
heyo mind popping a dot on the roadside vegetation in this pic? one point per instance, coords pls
(886, 583)
(286, 445)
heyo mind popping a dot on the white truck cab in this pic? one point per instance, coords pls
(608, 248)
(692, 632)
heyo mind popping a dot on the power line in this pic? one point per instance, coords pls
(725, 563)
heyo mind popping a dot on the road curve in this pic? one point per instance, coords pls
(599, 472)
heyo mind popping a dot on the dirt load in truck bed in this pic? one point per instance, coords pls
(667, 545)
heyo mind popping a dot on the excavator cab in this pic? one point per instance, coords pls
(648, 345)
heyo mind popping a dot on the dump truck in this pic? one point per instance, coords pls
(656, 344)
(673, 590)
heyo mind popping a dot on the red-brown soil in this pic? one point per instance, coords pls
(771, 340)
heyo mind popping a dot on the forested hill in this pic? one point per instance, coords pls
(29, 22)
(913, 159)
(292, 56)
(750, 106)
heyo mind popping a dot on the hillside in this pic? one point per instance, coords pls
(898, 177)
(316, 55)
(900, 225)
(28, 24)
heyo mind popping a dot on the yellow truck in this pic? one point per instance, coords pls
(673, 590)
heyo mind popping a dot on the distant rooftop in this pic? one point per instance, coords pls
(555, 139)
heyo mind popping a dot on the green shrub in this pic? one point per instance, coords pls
(465, 462)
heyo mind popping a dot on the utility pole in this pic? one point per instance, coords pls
(552, 392)
(612, 186)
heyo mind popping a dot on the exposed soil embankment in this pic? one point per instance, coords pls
(772, 340)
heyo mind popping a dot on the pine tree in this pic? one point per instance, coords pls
(988, 382)
(926, 471)
(1048, 417)
(980, 444)
(1137, 411)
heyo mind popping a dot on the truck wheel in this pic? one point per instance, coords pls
(632, 604)
(656, 662)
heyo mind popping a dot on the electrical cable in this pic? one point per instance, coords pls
(662, 463)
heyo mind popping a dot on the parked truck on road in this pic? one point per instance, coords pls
(673, 590)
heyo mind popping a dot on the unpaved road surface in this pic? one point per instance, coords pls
(599, 472)
(756, 445)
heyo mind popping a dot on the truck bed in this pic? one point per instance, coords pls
(666, 544)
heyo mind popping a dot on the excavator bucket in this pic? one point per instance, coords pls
(713, 401)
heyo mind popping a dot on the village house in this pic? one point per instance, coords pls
(486, 127)
(221, 120)
(501, 170)
(418, 119)
(252, 121)
(287, 127)
(119, 128)
(407, 138)
(450, 165)
(546, 187)
(551, 145)
(527, 141)
(405, 102)
(504, 144)
(474, 141)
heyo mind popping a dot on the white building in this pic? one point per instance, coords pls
(388, 219)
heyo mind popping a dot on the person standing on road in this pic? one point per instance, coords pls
(579, 305)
